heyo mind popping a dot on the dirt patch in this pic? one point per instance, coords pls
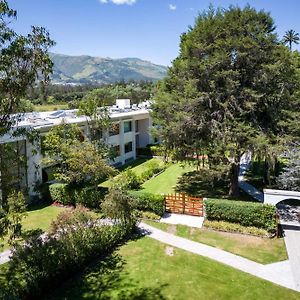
(169, 251)
(171, 229)
(192, 231)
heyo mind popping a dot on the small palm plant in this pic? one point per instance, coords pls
(290, 37)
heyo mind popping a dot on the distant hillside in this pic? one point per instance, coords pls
(88, 69)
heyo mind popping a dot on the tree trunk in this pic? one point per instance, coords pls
(234, 180)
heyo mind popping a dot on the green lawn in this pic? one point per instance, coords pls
(262, 250)
(38, 217)
(142, 269)
(165, 182)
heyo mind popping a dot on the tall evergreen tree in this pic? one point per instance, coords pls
(227, 90)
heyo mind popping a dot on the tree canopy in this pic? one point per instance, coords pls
(228, 91)
(23, 60)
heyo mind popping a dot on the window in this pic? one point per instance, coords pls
(128, 147)
(115, 150)
(127, 126)
(136, 126)
(114, 129)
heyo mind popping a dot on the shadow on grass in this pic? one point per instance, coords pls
(38, 206)
(106, 279)
(196, 183)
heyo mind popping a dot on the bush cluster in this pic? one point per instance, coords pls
(243, 213)
(151, 150)
(153, 168)
(149, 202)
(88, 196)
(40, 265)
(233, 227)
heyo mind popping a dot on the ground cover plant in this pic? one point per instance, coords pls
(262, 250)
(165, 273)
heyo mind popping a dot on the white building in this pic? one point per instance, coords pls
(129, 130)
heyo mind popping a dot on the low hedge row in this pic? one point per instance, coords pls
(87, 196)
(236, 228)
(149, 202)
(244, 213)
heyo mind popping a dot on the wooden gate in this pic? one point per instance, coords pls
(184, 204)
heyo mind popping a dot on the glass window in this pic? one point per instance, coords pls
(128, 147)
(114, 129)
(116, 151)
(136, 126)
(127, 126)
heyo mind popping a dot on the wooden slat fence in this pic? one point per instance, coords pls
(184, 204)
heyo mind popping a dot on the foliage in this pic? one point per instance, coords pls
(291, 37)
(23, 60)
(119, 206)
(149, 202)
(290, 177)
(244, 213)
(61, 192)
(234, 227)
(77, 161)
(130, 180)
(41, 264)
(88, 196)
(11, 217)
(229, 89)
(150, 216)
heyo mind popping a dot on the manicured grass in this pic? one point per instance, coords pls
(50, 107)
(165, 182)
(143, 269)
(262, 250)
(38, 217)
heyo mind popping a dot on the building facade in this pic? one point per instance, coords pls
(129, 130)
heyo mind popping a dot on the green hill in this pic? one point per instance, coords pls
(88, 69)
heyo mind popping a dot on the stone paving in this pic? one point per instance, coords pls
(279, 273)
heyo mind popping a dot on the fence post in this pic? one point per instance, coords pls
(183, 202)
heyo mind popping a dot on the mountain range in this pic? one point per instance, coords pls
(87, 69)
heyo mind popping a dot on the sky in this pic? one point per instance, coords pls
(147, 29)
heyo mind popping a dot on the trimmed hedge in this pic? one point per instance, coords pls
(243, 213)
(60, 192)
(149, 202)
(87, 196)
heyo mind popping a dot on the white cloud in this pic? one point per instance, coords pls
(172, 7)
(118, 2)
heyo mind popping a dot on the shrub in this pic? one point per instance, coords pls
(149, 202)
(233, 227)
(41, 264)
(243, 213)
(132, 180)
(90, 196)
(150, 215)
(61, 193)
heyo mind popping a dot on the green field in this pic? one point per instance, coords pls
(165, 182)
(262, 250)
(50, 107)
(144, 269)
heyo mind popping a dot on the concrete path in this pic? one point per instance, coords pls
(191, 221)
(279, 273)
(248, 188)
(4, 257)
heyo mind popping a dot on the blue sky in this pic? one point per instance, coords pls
(148, 29)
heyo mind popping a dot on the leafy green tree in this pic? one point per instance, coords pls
(290, 177)
(23, 60)
(227, 90)
(76, 160)
(291, 37)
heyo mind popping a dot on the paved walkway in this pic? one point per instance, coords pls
(279, 273)
(191, 221)
(4, 257)
(248, 188)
